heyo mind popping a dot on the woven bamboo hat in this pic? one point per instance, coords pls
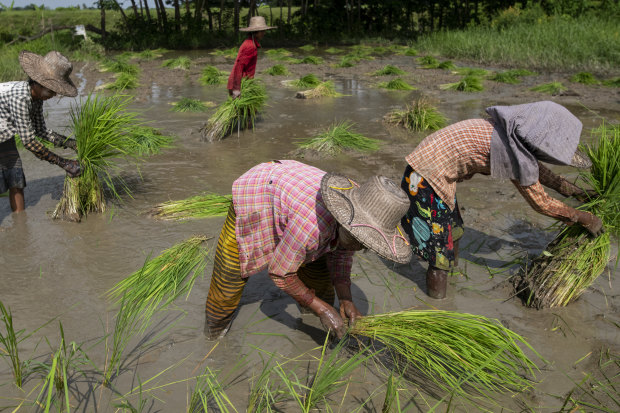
(257, 24)
(371, 212)
(51, 71)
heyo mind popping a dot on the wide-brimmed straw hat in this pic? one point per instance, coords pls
(371, 212)
(51, 71)
(257, 24)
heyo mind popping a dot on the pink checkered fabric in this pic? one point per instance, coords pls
(459, 151)
(282, 222)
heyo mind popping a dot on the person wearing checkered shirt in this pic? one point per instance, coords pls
(21, 117)
(509, 145)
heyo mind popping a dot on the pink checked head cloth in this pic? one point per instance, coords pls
(51, 71)
(371, 212)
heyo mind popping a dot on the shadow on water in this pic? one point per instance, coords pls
(34, 191)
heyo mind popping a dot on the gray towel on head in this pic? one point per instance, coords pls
(525, 134)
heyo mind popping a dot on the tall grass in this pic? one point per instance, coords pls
(189, 105)
(456, 351)
(10, 68)
(466, 84)
(236, 113)
(339, 137)
(182, 62)
(209, 393)
(420, 115)
(211, 75)
(199, 206)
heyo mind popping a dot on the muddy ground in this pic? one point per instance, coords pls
(58, 269)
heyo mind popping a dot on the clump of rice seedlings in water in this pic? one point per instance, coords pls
(149, 54)
(119, 65)
(236, 113)
(457, 351)
(552, 88)
(182, 62)
(333, 50)
(410, 52)
(189, 105)
(227, 53)
(613, 82)
(278, 54)
(389, 70)
(467, 84)
(338, 138)
(574, 259)
(209, 393)
(428, 62)
(211, 75)
(325, 89)
(471, 71)
(149, 141)
(421, 115)
(123, 81)
(277, 70)
(511, 76)
(584, 77)
(307, 48)
(10, 340)
(347, 61)
(290, 60)
(396, 84)
(446, 65)
(309, 80)
(313, 60)
(200, 206)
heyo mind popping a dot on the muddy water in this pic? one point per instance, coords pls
(56, 269)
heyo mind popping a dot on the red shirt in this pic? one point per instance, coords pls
(245, 65)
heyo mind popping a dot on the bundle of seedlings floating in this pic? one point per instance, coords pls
(307, 48)
(396, 84)
(277, 70)
(150, 54)
(325, 89)
(123, 81)
(340, 137)
(347, 61)
(182, 62)
(278, 54)
(239, 113)
(469, 83)
(106, 134)
(191, 105)
(312, 60)
(200, 206)
(446, 65)
(552, 88)
(333, 50)
(389, 70)
(585, 78)
(428, 62)
(421, 115)
(410, 52)
(118, 65)
(309, 80)
(511, 76)
(211, 75)
(574, 259)
(456, 351)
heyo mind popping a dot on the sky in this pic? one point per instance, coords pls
(52, 4)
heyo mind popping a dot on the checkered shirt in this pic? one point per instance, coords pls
(21, 115)
(457, 152)
(283, 223)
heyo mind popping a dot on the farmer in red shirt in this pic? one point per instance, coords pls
(245, 65)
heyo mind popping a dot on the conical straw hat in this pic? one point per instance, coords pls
(51, 71)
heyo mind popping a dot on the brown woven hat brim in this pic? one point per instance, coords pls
(35, 67)
(581, 160)
(257, 28)
(339, 195)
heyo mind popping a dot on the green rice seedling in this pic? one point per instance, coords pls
(209, 393)
(410, 51)
(466, 84)
(149, 54)
(333, 50)
(211, 75)
(149, 141)
(339, 137)
(123, 81)
(189, 105)
(290, 60)
(552, 88)
(227, 53)
(380, 50)
(446, 65)
(278, 54)
(182, 62)
(574, 259)
(236, 113)
(586, 78)
(396, 84)
(277, 70)
(126, 406)
(325, 89)
(391, 394)
(471, 71)
(313, 60)
(613, 82)
(307, 48)
(347, 61)
(119, 66)
(511, 76)
(361, 52)
(10, 340)
(389, 70)
(309, 80)
(421, 115)
(428, 62)
(264, 394)
(200, 206)
(457, 351)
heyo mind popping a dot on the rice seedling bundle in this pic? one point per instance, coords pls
(105, 134)
(10, 340)
(446, 65)
(428, 62)
(333, 50)
(307, 48)
(278, 54)
(552, 88)
(313, 60)
(182, 62)
(396, 84)
(150, 54)
(189, 105)
(277, 70)
(613, 82)
(389, 70)
(339, 137)
(290, 60)
(421, 115)
(471, 71)
(119, 66)
(467, 84)
(456, 351)
(309, 80)
(149, 141)
(199, 206)
(211, 75)
(584, 77)
(227, 53)
(574, 259)
(410, 52)
(511, 76)
(123, 81)
(325, 89)
(242, 111)
(347, 61)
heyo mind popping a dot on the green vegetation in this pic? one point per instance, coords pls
(421, 115)
(307, 48)
(309, 80)
(278, 54)
(227, 53)
(325, 89)
(471, 71)
(613, 82)
(511, 76)
(333, 50)
(123, 81)
(552, 88)
(466, 84)
(10, 340)
(119, 66)
(446, 65)
(389, 70)
(339, 137)
(199, 206)
(586, 78)
(313, 60)
(277, 70)
(428, 62)
(189, 105)
(211, 75)
(208, 391)
(149, 141)
(396, 84)
(182, 62)
(347, 61)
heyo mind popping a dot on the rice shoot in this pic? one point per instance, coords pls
(552, 88)
(277, 70)
(585, 78)
(309, 80)
(396, 84)
(389, 70)
(313, 60)
(182, 62)
(446, 65)
(325, 89)
(189, 105)
(333, 50)
(428, 62)
(511, 76)
(123, 81)
(340, 137)
(467, 84)
(211, 75)
(307, 48)
(420, 115)
(200, 206)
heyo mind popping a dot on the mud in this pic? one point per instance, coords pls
(58, 269)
